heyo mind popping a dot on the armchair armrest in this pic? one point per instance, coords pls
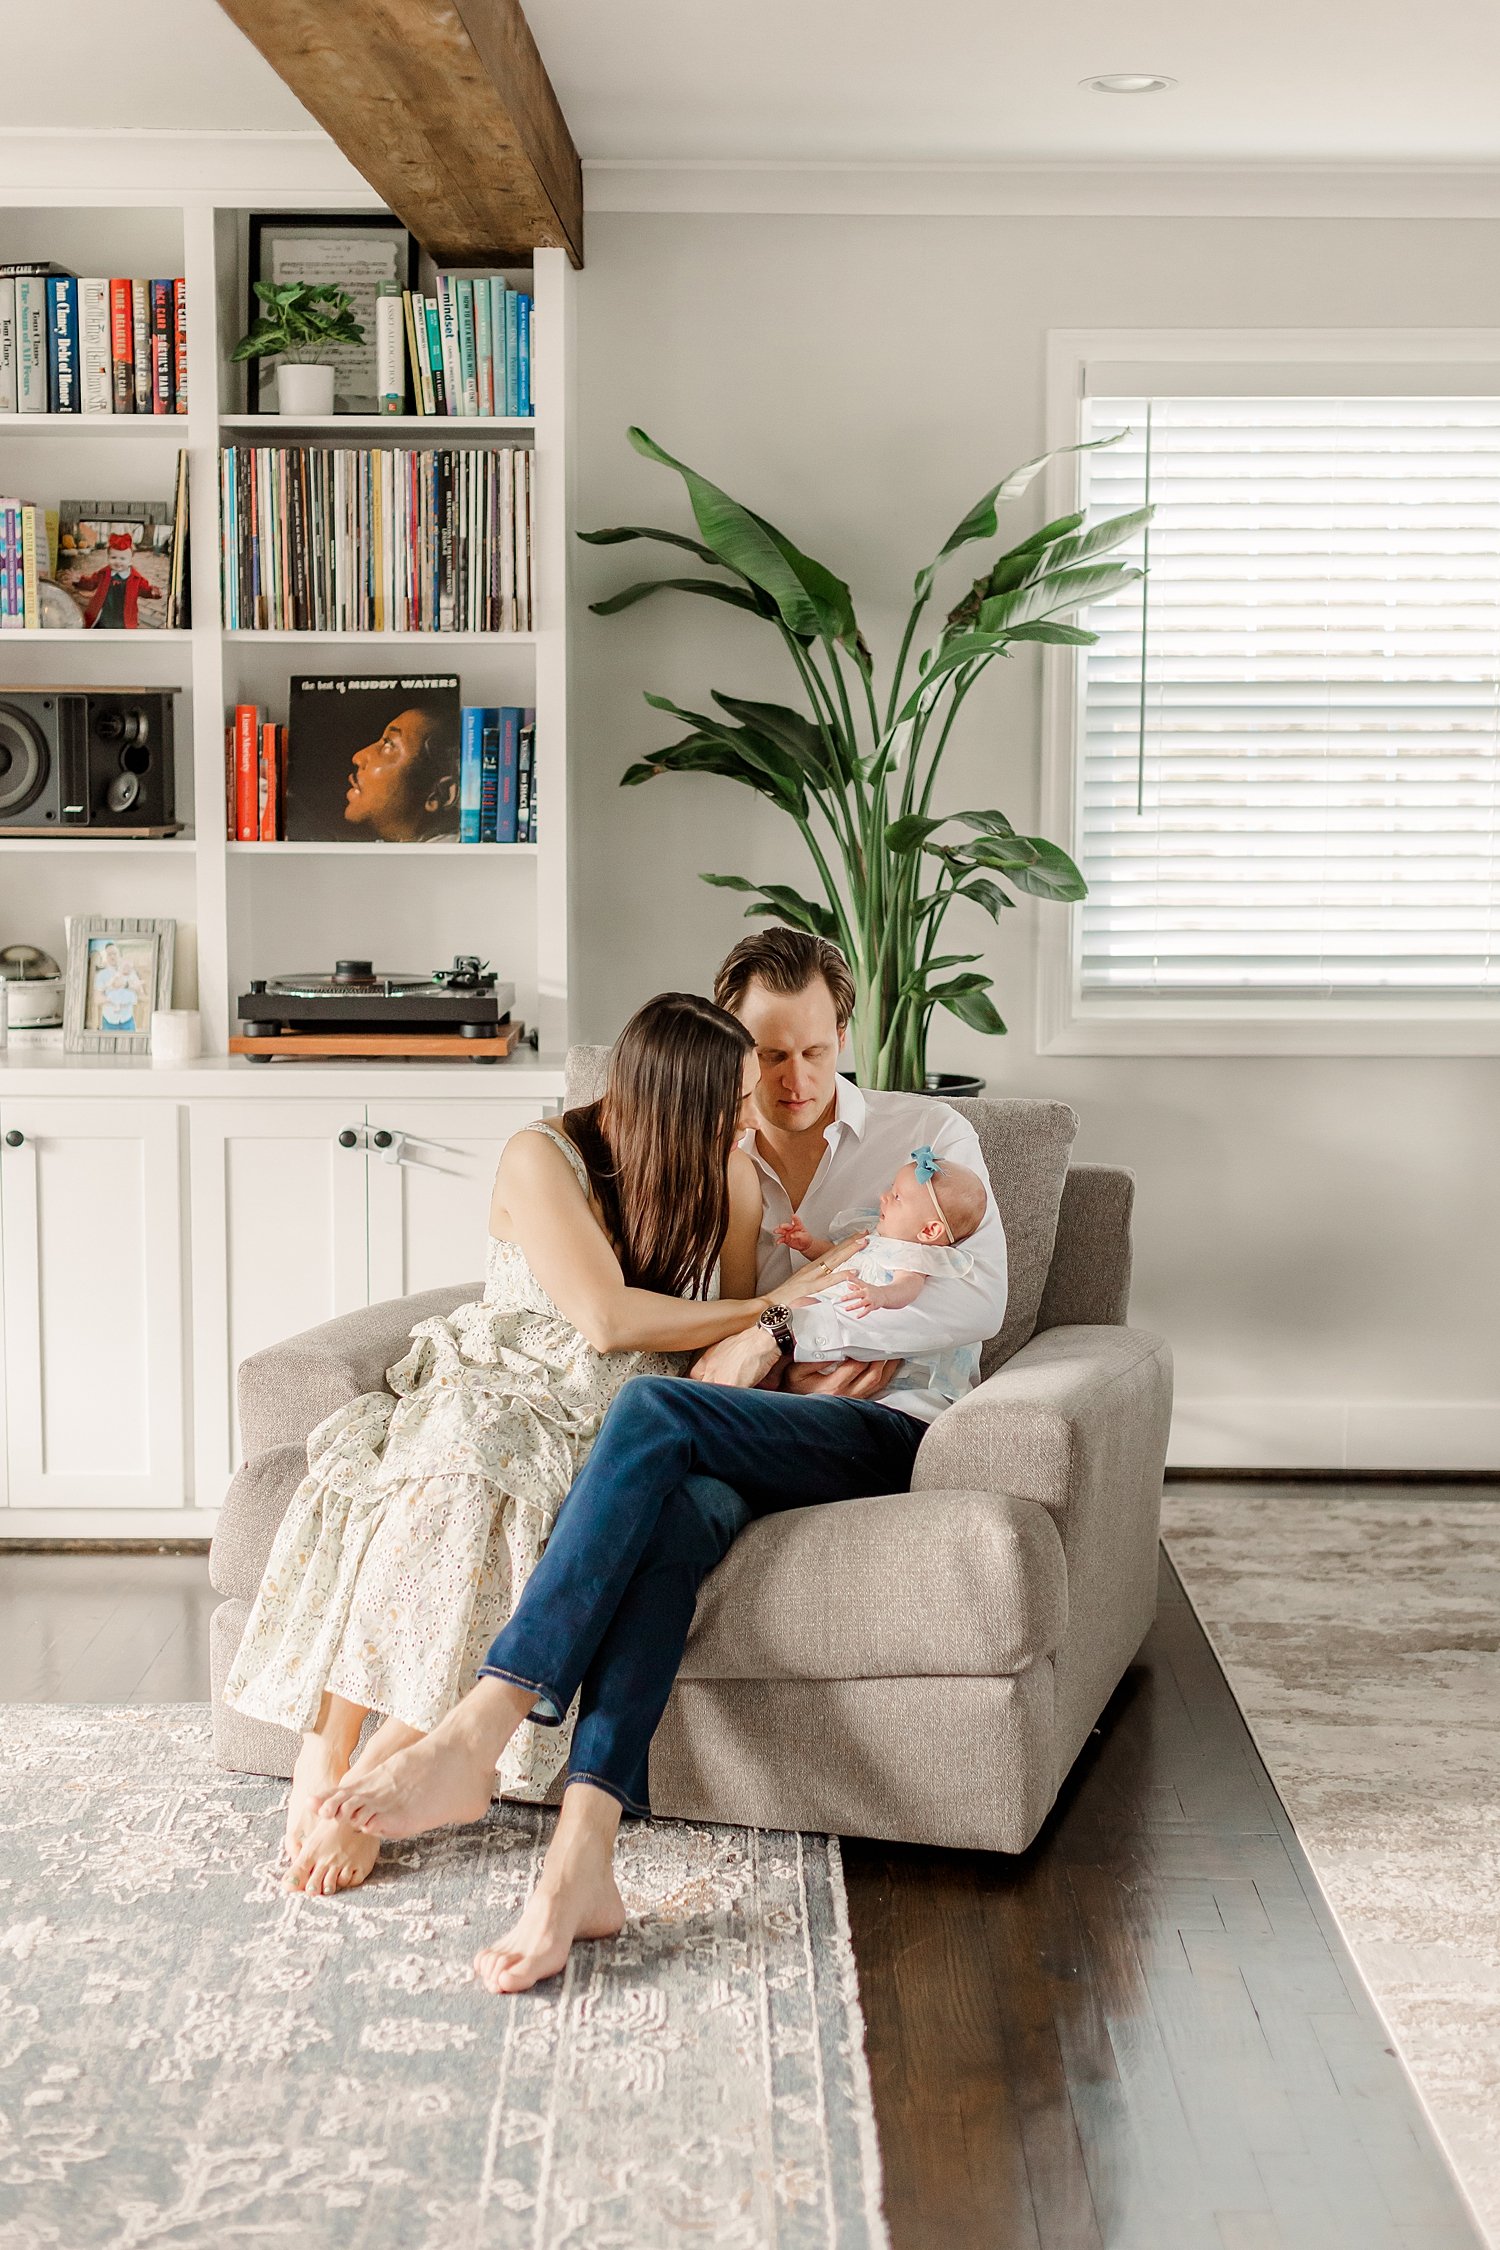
(1072, 1402)
(286, 1390)
(1077, 1421)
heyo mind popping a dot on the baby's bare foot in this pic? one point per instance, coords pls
(333, 1858)
(582, 1904)
(320, 1764)
(448, 1776)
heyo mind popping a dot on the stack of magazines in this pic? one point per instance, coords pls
(323, 539)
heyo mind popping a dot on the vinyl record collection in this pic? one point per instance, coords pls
(331, 539)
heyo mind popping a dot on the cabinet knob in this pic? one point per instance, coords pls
(382, 1139)
(13, 1139)
(348, 1138)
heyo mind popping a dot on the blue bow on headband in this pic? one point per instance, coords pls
(928, 1165)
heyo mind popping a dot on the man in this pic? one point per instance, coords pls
(403, 789)
(678, 1468)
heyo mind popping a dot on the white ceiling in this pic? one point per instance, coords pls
(857, 81)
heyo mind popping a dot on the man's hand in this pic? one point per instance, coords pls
(838, 1378)
(738, 1362)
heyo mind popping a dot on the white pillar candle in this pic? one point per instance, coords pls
(176, 1035)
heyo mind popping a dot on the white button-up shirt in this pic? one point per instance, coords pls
(937, 1337)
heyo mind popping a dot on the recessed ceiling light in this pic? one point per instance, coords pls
(1128, 82)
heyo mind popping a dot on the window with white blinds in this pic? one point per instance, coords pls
(1289, 779)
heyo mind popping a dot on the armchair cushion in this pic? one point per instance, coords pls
(946, 1584)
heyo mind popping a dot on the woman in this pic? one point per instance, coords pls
(426, 1505)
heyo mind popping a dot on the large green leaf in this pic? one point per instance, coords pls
(740, 539)
(755, 749)
(911, 831)
(623, 531)
(739, 597)
(986, 894)
(794, 732)
(982, 520)
(829, 595)
(1099, 538)
(1064, 589)
(1066, 636)
(1051, 874)
(699, 753)
(778, 898)
(989, 823)
(976, 1009)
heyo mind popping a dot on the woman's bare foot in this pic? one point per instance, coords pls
(321, 1764)
(448, 1776)
(575, 1897)
(333, 1858)
(556, 1913)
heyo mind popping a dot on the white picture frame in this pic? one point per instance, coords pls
(119, 973)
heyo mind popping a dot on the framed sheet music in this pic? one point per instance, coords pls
(355, 250)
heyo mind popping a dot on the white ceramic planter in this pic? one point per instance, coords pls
(304, 390)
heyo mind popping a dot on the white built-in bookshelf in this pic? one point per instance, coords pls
(264, 909)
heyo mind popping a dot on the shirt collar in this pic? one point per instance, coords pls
(850, 1109)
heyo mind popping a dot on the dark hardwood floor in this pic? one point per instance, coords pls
(1144, 2034)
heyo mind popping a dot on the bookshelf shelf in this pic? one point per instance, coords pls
(142, 634)
(381, 425)
(390, 851)
(95, 425)
(233, 926)
(99, 844)
(313, 640)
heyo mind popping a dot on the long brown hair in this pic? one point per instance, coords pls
(657, 1142)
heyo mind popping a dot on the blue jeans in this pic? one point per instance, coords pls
(677, 1470)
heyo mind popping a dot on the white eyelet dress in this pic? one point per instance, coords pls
(424, 1511)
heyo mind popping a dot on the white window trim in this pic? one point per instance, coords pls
(1069, 1024)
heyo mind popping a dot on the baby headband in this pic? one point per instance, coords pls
(929, 1164)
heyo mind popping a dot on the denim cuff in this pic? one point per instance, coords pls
(611, 1789)
(549, 1715)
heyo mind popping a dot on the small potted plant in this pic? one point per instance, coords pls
(298, 322)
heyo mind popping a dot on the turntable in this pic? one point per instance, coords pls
(461, 1013)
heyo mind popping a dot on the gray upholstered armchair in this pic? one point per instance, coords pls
(924, 1665)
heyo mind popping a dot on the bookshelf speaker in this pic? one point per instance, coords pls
(101, 760)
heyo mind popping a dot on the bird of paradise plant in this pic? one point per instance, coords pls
(858, 776)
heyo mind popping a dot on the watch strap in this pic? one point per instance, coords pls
(777, 1322)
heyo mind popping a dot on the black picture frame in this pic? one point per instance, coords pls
(268, 227)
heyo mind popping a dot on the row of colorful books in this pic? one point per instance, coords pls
(91, 346)
(364, 539)
(497, 775)
(95, 565)
(394, 760)
(469, 348)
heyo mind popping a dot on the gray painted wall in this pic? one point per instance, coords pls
(1317, 1237)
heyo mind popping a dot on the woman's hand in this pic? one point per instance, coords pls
(810, 1279)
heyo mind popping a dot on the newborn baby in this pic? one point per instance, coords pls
(929, 1208)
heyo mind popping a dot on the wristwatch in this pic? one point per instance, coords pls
(776, 1322)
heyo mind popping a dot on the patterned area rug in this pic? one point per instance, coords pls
(1359, 1637)
(188, 2057)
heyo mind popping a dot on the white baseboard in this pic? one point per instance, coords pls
(1328, 1433)
(106, 1524)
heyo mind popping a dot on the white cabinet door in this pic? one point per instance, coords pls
(279, 1245)
(92, 1259)
(430, 1188)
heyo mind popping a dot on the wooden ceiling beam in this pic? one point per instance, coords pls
(445, 107)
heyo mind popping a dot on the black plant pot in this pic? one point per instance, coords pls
(953, 1085)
